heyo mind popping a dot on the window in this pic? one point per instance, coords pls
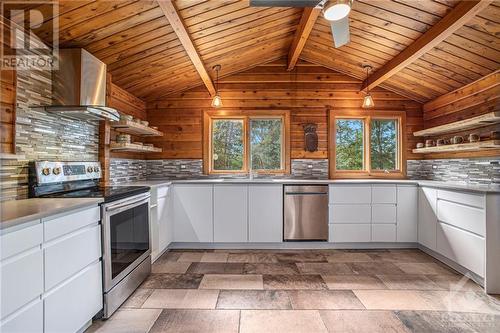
(369, 145)
(243, 142)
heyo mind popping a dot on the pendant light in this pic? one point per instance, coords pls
(337, 10)
(368, 100)
(217, 100)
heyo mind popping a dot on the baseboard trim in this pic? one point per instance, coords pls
(290, 245)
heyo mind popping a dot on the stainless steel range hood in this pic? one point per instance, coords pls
(79, 87)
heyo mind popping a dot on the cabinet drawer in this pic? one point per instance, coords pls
(21, 281)
(162, 191)
(345, 233)
(383, 232)
(350, 213)
(66, 257)
(471, 199)
(340, 194)
(384, 194)
(64, 224)
(20, 240)
(462, 247)
(27, 320)
(465, 217)
(74, 303)
(384, 213)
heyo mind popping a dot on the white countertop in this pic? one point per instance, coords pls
(16, 212)
(427, 183)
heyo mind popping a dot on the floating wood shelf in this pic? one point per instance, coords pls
(131, 147)
(131, 127)
(483, 120)
(474, 146)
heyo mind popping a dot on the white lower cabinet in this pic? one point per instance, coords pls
(407, 214)
(27, 320)
(71, 305)
(193, 213)
(164, 218)
(345, 233)
(383, 233)
(427, 217)
(265, 213)
(462, 247)
(230, 213)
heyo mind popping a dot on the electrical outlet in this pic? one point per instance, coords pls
(183, 166)
(310, 166)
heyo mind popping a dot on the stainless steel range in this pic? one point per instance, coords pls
(124, 219)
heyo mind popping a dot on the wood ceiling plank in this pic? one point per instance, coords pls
(405, 10)
(447, 55)
(306, 24)
(485, 26)
(177, 24)
(474, 47)
(455, 19)
(442, 69)
(479, 36)
(487, 65)
(460, 71)
(443, 81)
(213, 14)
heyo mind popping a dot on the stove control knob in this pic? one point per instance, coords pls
(46, 171)
(56, 171)
(96, 169)
(90, 169)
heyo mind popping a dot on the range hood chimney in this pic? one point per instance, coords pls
(79, 87)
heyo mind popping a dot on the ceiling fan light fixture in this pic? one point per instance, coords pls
(337, 10)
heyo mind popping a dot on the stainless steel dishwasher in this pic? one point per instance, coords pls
(305, 213)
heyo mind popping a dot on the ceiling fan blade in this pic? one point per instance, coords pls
(340, 31)
(284, 3)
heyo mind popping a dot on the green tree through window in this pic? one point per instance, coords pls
(227, 144)
(266, 144)
(383, 144)
(349, 144)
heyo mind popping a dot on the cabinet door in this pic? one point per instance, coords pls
(265, 213)
(193, 213)
(427, 217)
(230, 213)
(69, 307)
(348, 233)
(407, 214)
(26, 320)
(154, 231)
(163, 232)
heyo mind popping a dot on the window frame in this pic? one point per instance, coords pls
(367, 117)
(246, 116)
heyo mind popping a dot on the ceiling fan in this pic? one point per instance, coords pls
(335, 11)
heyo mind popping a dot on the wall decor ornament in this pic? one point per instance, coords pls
(310, 137)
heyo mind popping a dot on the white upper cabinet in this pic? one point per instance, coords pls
(193, 213)
(407, 214)
(265, 213)
(230, 213)
(427, 217)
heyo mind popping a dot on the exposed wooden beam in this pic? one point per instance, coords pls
(180, 30)
(455, 19)
(309, 17)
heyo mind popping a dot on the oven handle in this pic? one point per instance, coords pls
(127, 204)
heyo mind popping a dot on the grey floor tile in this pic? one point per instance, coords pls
(196, 321)
(324, 300)
(281, 321)
(355, 321)
(252, 258)
(351, 282)
(272, 268)
(324, 268)
(172, 281)
(182, 299)
(293, 282)
(161, 266)
(137, 298)
(409, 281)
(254, 299)
(231, 281)
(435, 322)
(216, 268)
(127, 321)
(294, 257)
(375, 268)
(429, 268)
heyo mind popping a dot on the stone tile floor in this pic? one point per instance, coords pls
(304, 291)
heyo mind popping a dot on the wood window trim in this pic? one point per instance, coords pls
(367, 116)
(208, 116)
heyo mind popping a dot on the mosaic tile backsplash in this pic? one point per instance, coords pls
(473, 171)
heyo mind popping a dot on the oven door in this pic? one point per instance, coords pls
(125, 237)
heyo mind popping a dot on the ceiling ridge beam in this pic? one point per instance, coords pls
(180, 30)
(306, 24)
(455, 19)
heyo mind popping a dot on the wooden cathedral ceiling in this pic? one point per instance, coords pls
(145, 55)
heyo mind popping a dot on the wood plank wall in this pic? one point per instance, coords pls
(7, 99)
(308, 92)
(480, 97)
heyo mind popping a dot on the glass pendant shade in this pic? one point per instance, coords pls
(217, 101)
(368, 102)
(337, 10)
